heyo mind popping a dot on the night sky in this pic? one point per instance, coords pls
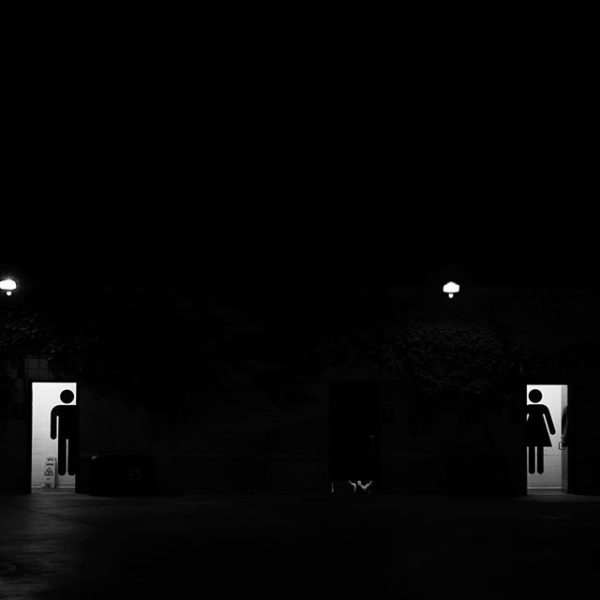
(303, 242)
(256, 167)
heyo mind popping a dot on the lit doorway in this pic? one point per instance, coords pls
(546, 437)
(54, 436)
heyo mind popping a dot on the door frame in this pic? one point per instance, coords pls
(29, 418)
(376, 386)
(569, 477)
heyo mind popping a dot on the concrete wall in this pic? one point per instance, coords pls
(584, 448)
(249, 440)
(15, 426)
(211, 444)
(254, 445)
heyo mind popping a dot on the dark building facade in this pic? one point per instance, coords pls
(407, 389)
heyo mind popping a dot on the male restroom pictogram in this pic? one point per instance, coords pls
(65, 419)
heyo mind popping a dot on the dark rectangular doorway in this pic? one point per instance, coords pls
(354, 434)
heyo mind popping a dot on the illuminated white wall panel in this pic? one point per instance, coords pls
(552, 475)
(45, 396)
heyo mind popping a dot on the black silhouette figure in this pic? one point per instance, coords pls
(67, 419)
(536, 432)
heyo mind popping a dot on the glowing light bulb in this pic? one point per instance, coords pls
(451, 288)
(8, 285)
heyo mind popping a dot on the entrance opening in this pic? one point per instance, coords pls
(354, 430)
(546, 437)
(54, 436)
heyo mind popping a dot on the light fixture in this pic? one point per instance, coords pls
(451, 288)
(8, 286)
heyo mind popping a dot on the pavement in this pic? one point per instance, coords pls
(65, 545)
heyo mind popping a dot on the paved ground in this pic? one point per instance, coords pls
(55, 545)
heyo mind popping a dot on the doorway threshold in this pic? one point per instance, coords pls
(550, 494)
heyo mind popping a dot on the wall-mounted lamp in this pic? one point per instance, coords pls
(451, 288)
(8, 286)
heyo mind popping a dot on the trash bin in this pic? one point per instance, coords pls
(121, 474)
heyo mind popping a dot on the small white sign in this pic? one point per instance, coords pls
(49, 472)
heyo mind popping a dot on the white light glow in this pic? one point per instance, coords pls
(8, 285)
(451, 288)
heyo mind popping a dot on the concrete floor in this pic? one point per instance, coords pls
(63, 545)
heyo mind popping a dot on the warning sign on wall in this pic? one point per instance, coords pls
(49, 472)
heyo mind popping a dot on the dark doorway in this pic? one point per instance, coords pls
(354, 432)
